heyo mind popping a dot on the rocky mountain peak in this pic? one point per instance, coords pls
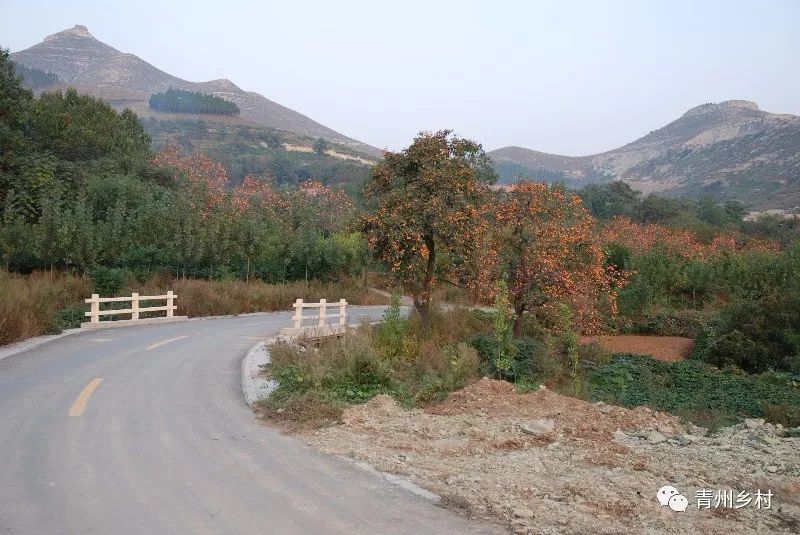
(76, 31)
(728, 105)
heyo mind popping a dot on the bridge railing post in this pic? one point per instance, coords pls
(342, 312)
(135, 306)
(170, 304)
(94, 308)
(323, 306)
(298, 314)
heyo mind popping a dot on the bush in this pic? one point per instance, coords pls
(108, 281)
(66, 318)
(753, 335)
(693, 389)
(533, 359)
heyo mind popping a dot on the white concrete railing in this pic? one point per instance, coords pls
(135, 310)
(321, 325)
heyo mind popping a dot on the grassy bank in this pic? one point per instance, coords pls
(400, 358)
(45, 303)
(418, 367)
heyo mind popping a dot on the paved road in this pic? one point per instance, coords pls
(165, 444)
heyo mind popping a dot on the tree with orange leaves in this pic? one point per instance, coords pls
(424, 208)
(544, 243)
(203, 178)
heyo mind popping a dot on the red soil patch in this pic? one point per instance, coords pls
(667, 348)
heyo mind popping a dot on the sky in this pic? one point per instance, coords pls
(565, 77)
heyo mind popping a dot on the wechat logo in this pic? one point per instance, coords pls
(669, 496)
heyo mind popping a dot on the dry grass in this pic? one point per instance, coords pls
(28, 303)
(212, 298)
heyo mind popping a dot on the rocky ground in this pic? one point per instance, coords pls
(545, 463)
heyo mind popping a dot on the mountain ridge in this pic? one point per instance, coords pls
(81, 60)
(730, 150)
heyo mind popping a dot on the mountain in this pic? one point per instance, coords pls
(125, 80)
(730, 150)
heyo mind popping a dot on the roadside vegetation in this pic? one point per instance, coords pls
(554, 267)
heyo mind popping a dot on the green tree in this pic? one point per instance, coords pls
(320, 146)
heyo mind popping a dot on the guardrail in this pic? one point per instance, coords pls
(136, 310)
(320, 325)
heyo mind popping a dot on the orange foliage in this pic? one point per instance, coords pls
(206, 179)
(681, 242)
(545, 242)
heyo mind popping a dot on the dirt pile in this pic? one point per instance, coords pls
(545, 463)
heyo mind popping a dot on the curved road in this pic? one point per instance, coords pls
(145, 430)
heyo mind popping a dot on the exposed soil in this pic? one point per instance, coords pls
(667, 348)
(545, 463)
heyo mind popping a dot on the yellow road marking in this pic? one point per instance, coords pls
(83, 398)
(163, 342)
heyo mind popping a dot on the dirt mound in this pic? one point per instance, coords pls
(381, 406)
(542, 462)
(574, 417)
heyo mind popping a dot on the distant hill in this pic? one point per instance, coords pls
(730, 150)
(125, 80)
(247, 149)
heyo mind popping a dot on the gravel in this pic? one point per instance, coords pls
(545, 463)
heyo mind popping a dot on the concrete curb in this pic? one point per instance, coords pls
(254, 385)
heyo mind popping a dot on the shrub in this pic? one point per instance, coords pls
(392, 330)
(533, 359)
(108, 281)
(65, 318)
(686, 323)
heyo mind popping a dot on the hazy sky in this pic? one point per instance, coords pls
(564, 77)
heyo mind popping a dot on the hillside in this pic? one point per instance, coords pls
(249, 149)
(125, 80)
(731, 150)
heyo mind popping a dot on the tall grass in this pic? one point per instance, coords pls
(29, 304)
(46, 303)
(210, 298)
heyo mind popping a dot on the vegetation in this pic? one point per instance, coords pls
(697, 391)
(414, 363)
(182, 101)
(35, 78)
(423, 214)
(79, 188)
(257, 151)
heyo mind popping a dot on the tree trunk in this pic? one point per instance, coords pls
(423, 302)
(519, 310)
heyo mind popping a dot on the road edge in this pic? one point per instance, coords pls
(254, 385)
